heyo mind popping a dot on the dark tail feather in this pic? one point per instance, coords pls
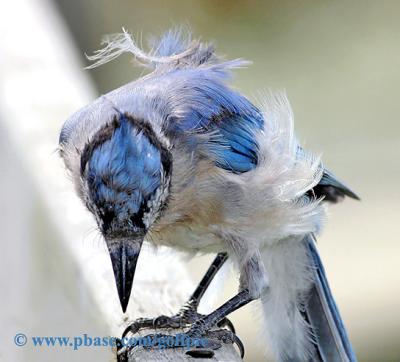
(332, 342)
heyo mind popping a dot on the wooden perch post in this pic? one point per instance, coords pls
(227, 352)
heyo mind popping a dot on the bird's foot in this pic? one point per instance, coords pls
(187, 316)
(200, 341)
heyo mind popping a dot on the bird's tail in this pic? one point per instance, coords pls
(302, 320)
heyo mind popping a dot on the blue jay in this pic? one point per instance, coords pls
(179, 158)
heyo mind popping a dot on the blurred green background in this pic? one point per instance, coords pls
(339, 64)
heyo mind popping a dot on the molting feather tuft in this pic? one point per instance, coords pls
(175, 49)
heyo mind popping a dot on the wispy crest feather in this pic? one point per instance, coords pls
(174, 49)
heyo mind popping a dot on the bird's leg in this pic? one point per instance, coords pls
(204, 324)
(188, 313)
(253, 283)
(205, 282)
(189, 310)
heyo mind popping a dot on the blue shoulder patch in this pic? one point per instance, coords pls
(206, 106)
(234, 146)
(231, 142)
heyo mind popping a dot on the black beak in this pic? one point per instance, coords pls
(124, 255)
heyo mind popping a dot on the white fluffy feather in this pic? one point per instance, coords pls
(273, 220)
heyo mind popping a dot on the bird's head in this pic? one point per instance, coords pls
(125, 174)
(121, 164)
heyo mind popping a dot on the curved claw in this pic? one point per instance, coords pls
(137, 325)
(228, 337)
(240, 345)
(227, 323)
(122, 352)
(133, 328)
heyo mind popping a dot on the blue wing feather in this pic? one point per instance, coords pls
(321, 311)
(236, 149)
(233, 145)
(207, 106)
(239, 149)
